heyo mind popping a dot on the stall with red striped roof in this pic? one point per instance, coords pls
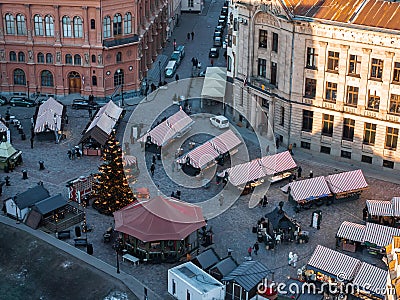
(347, 185)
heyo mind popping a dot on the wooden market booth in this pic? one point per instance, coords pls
(49, 120)
(9, 156)
(159, 229)
(383, 212)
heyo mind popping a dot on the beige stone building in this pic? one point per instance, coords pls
(327, 74)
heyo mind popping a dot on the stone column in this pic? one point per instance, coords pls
(386, 79)
(99, 23)
(57, 25)
(86, 22)
(341, 85)
(28, 21)
(364, 73)
(320, 89)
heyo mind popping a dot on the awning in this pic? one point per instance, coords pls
(309, 189)
(334, 263)
(380, 235)
(49, 116)
(396, 206)
(202, 155)
(163, 133)
(371, 278)
(214, 83)
(259, 168)
(351, 231)
(347, 182)
(379, 208)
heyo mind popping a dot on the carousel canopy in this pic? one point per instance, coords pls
(49, 116)
(159, 219)
(7, 150)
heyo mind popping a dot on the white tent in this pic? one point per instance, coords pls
(214, 83)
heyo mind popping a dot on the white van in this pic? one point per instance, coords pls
(170, 69)
(220, 122)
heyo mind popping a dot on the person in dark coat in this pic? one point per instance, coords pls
(188, 36)
(256, 247)
(152, 169)
(177, 77)
(299, 170)
(192, 35)
(154, 159)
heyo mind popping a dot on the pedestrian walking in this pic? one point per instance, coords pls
(311, 174)
(194, 62)
(290, 148)
(299, 170)
(221, 199)
(192, 35)
(177, 77)
(212, 62)
(249, 251)
(174, 44)
(31, 142)
(152, 169)
(267, 150)
(188, 36)
(154, 159)
(265, 201)
(256, 247)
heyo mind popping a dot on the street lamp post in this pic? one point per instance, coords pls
(56, 129)
(159, 68)
(122, 94)
(27, 85)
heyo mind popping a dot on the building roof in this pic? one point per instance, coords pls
(225, 266)
(248, 274)
(31, 196)
(159, 219)
(50, 204)
(49, 112)
(371, 278)
(33, 219)
(196, 278)
(206, 259)
(280, 219)
(6, 149)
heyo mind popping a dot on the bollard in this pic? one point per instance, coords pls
(23, 136)
(41, 165)
(24, 174)
(7, 179)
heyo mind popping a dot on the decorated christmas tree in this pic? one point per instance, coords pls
(111, 189)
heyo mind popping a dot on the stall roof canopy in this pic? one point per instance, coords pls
(371, 278)
(159, 219)
(225, 266)
(6, 150)
(309, 189)
(260, 167)
(50, 204)
(48, 115)
(3, 127)
(169, 129)
(384, 208)
(347, 182)
(206, 259)
(103, 123)
(351, 231)
(214, 83)
(31, 196)
(334, 263)
(210, 150)
(279, 217)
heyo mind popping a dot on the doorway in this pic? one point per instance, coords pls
(74, 83)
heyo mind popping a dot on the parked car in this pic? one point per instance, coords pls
(84, 104)
(219, 28)
(217, 42)
(170, 69)
(176, 56)
(224, 11)
(222, 20)
(3, 100)
(217, 34)
(181, 50)
(214, 53)
(21, 101)
(220, 122)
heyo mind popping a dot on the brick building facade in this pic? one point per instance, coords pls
(91, 47)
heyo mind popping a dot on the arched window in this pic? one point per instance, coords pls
(13, 56)
(78, 31)
(46, 78)
(21, 25)
(67, 27)
(38, 25)
(118, 77)
(117, 25)
(21, 56)
(94, 80)
(119, 57)
(93, 58)
(49, 22)
(128, 23)
(40, 58)
(49, 58)
(10, 26)
(92, 24)
(107, 27)
(68, 59)
(77, 59)
(19, 77)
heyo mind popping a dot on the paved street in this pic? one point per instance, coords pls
(232, 228)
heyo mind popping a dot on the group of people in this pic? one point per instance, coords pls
(196, 62)
(74, 152)
(190, 34)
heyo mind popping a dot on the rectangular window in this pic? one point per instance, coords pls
(265, 103)
(274, 71)
(366, 159)
(308, 117)
(327, 125)
(331, 92)
(305, 145)
(262, 67)
(187, 295)
(348, 129)
(94, 80)
(369, 133)
(354, 65)
(190, 3)
(396, 72)
(352, 96)
(392, 135)
(394, 107)
(92, 24)
(263, 39)
(275, 42)
(282, 122)
(373, 101)
(388, 164)
(326, 150)
(376, 68)
(310, 88)
(333, 61)
(345, 154)
(311, 60)
(173, 287)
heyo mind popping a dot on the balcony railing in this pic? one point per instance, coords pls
(120, 42)
(262, 84)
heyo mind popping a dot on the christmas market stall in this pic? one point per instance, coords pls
(248, 175)
(370, 283)
(159, 229)
(347, 185)
(99, 129)
(80, 189)
(49, 120)
(9, 156)
(383, 212)
(350, 236)
(216, 150)
(308, 192)
(165, 132)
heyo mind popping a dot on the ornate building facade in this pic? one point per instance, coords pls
(91, 47)
(326, 74)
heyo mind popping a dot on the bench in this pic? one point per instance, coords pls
(130, 258)
(80, 242)
(63, 235)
